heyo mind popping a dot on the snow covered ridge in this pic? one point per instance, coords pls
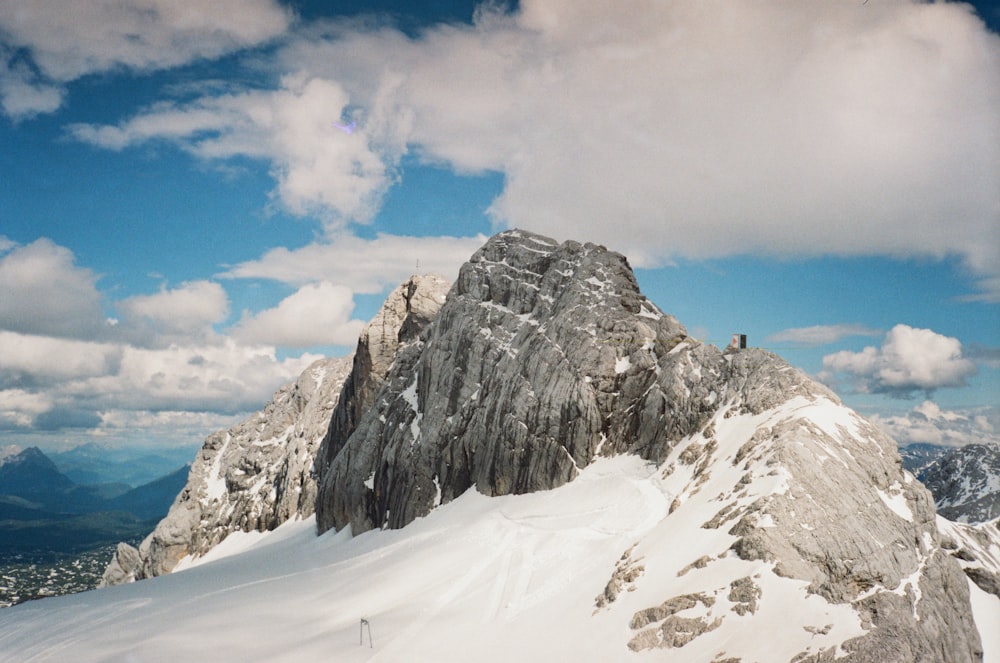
(592, 571)
(546, 357)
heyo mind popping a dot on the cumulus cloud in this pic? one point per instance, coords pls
(45, 292)
(821, 334)
(317, 314)
(64, 41)
(364, 265)
(225, 378)
(63, 367)
(928, 423)
(908, 361)
(34, 359)
(183, 313)
(662, 129)
(19, 407)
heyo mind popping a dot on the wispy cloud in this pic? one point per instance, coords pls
(364, 265)
(909, 360)
(320, 170)
(821, 334)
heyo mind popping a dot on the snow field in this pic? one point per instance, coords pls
(483, 579)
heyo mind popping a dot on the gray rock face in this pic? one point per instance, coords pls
(123, 566)
(514, 385)
(254, 476)
(965, 483)
(546, 356)
(406, 311)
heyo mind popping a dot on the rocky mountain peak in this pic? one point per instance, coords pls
(546, 356)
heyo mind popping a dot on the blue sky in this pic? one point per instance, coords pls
(184, 226)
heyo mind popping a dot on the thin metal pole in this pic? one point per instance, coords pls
(361, 633)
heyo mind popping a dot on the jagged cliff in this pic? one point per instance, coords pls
(260, 473)
(254, 476)
(546, 356)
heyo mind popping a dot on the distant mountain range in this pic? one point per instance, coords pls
(965, 481)
(91, 464)
(43, 512)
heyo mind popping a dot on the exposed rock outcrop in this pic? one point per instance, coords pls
(530, 365)
(546, 356)
(405, 313)
(260, 473)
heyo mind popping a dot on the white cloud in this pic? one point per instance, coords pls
(44, 292)
(68, 40)
(909, 360)
(18, 408)
(365, 266)
(821, 334)
(658, 129)
(41, 359)
(320, 169)
(317, 314)
(225, 377)
(182, 314)
(22, 94)
(928, 423)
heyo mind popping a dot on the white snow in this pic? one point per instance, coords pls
(897, 502)
(485, 579)
(410, 396)
(986, 610)
(215, 481)
(510, 578)
(622, 364)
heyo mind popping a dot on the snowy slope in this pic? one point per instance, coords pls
(490, 579)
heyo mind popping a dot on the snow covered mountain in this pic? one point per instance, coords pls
(966, 483)
(546, 357)
(551, 469)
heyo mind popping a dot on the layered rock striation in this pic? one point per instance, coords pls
(546, 356)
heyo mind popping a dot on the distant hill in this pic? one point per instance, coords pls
(152, 500)
(90, 464)
(32, 475)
